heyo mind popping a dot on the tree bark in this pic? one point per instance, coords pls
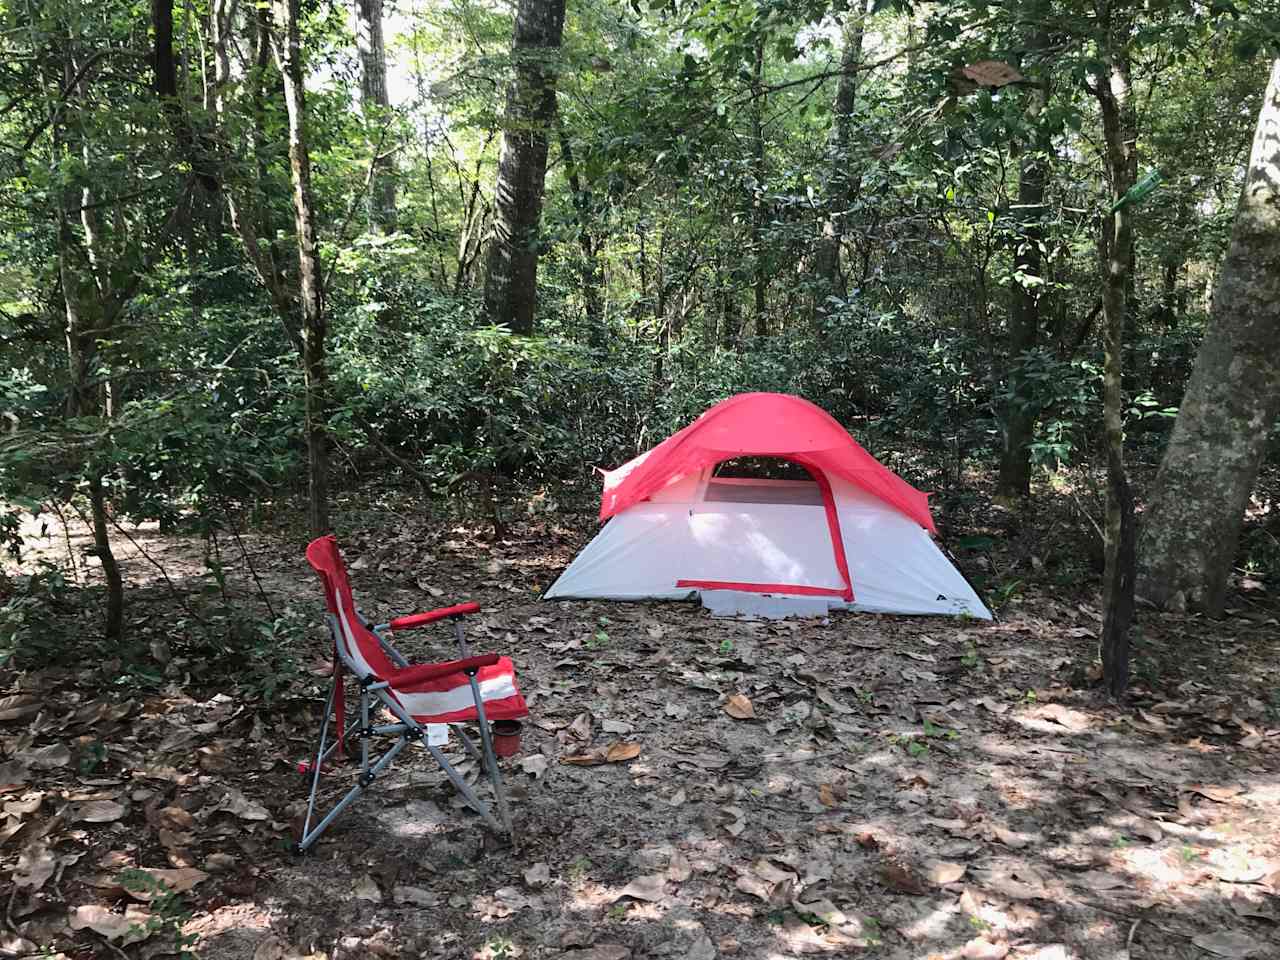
(164, 67)
(82, 338)
(1192, 527)
(590, 269)
(511, 272)
(1019, 417)
(377, 110)
(761, 276)
(310, 286)
(839, 187)
(250, 213)
(1119, 125)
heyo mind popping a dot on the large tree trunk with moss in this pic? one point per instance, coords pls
(841, 180)
(511, 269)
(377, 111)
(1192, 527)
(1119, 130)
(310, 288)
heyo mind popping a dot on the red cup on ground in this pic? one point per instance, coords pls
(506, 737)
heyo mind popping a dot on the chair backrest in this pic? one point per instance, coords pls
(356, 642)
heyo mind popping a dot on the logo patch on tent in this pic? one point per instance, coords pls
(941, 597)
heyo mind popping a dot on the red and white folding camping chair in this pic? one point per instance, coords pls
(470, 689)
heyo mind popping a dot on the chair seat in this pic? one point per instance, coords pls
(448, 699)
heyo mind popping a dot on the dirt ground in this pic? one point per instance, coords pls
(903, 788)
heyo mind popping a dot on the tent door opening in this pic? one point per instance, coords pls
(778, 507)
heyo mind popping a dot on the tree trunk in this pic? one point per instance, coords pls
(664, 326)
(83, 337)
(761, 279)
(377, 111)
(1119, 125)
(1192, 527)
(114, 626)
(590, 269)
(511, 272)
(310, 289)
(840, 181)
(1019, 418)
(164, 67)
(247, 205)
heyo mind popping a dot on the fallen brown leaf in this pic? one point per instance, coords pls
(237, 803)
(176, 881)
(30, 803)
(415, 895)
(621, 752)
(174, 818)
(601, 951)
(651, 887)
(13, 774)
(679, 869)
(755, 886)
(898, 877)
(98, 811)
(1215, 792)
(981, 949)
(35, 866)
(128, 927)
(366, 888)
(1008, 837)
(1229, 943)
(47, 758)
(12, 945)
(823, 909)
(943, 872)
(739, 707)
(18, 706)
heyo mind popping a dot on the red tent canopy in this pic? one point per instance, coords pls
(761, 425)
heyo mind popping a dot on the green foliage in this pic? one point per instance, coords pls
(266, 653)
(700, 190)
(168, 912)
(30, 632)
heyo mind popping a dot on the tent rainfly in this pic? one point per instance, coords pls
(855, 536)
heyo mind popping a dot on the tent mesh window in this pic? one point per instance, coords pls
(763, 480)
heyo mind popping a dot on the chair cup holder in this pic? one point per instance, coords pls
(506, 737)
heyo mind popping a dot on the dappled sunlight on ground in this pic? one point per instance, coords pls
(912, 789)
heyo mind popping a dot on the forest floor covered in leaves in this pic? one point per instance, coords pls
(904, 788)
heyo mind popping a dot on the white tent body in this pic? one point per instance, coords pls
(716, 530)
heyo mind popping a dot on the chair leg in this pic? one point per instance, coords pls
(486, 740)
(491, 759)
(366, 779)
(469, 795)
(321, 753)
(460, 784)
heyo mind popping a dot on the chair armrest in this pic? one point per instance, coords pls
(434, 671)
(431, 616)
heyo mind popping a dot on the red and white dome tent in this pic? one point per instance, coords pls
(854, 537)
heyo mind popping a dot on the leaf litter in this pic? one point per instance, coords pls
(915, 787)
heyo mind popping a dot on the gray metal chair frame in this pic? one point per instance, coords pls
(373, 693)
